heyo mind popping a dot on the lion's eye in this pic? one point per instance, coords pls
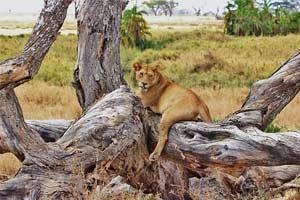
(150, 76)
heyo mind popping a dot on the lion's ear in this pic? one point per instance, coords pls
(137, 66)
(156, 68)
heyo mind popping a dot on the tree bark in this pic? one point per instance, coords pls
(98, 69)
(266, 177)
(198, 145)
(50, 130)
(66, 160)
(109, 135)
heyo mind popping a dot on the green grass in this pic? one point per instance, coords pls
(207, 58)
(193, 58)
(273, 128)
(57, 67)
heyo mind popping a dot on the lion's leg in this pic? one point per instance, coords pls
(204, 113)
(169, 117)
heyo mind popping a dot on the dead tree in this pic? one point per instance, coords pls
(197, 11)
(68, 159)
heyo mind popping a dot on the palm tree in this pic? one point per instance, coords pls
(134, 27)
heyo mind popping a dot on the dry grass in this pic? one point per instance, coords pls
(233, 62)
(40, 100)
(224, 101)
(123, 196)
(9, 164)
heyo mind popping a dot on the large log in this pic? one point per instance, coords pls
(49, 130)
(112, 136)
(197, 145)
(109, 139)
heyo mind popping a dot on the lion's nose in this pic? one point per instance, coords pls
(144, 84)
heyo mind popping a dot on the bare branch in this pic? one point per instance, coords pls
(268, 97)
(24, 66)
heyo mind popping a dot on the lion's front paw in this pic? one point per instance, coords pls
(154, 156)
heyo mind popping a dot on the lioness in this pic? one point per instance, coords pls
(174, 102)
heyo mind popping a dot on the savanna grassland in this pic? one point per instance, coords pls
(218, 67)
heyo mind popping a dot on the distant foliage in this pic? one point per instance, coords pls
(159, 7)
(246, 17)
(134, 28)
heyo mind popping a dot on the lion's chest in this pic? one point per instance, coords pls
(169, 98)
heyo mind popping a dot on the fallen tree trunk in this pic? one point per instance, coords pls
(198, 145)
(225, 147)
(89, 142)
(50, 130)
(109, 139)
(113, 135)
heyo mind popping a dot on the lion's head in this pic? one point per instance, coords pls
(146, 76)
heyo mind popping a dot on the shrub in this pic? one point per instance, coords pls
(245, 17)
(273, 128)
(134, 28)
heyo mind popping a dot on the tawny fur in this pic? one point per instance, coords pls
(174, 102)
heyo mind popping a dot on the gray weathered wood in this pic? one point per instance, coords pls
(50, 130)
(109, 138)
(226, 147)
(266, 177)
(112, 136)
(109, 134)
(98, 69)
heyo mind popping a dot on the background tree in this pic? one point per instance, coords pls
(167, 7)
(171, 5)
(154, 5)
(197, 11)
(291, 5)
(134, 27)
(161, 6)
